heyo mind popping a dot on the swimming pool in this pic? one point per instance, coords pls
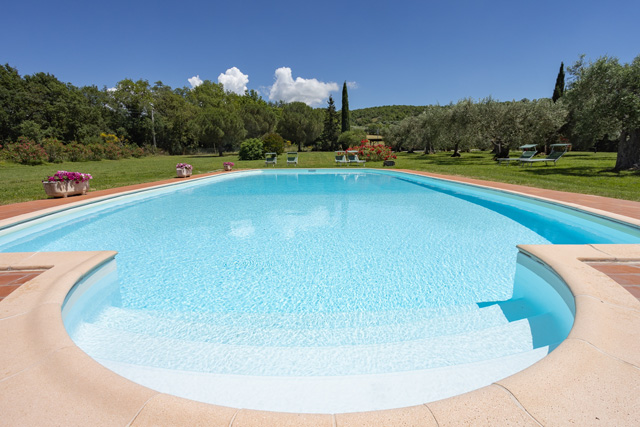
(271, 313)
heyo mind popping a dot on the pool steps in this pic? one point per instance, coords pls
(421, 346)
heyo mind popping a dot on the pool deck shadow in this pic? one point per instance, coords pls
(592, 378)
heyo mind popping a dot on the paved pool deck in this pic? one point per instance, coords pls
(592, 378)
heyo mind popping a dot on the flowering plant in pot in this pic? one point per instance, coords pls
(63, 184)
(184, 170)
(228, 165)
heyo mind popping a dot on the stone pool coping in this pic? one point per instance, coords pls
(593, 377)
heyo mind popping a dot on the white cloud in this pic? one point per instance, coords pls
(234, 81)
(309, 91)
(352, 85)
(195, 81)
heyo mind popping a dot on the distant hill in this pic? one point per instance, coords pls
(385, 115)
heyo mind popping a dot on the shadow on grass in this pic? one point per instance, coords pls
(580, 171)
(205, 156)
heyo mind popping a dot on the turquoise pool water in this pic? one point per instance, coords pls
(308, 276)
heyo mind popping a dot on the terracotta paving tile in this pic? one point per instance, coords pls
(11, 277)
(633, 290)
(17, 277)
(626, 274)
(617, 268)
(10, 280)
(5, 290)
(626, 279)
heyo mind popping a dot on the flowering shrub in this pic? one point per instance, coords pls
(112, 151)
(373, 153)
(56, 151)
(78, 152)
(97, 151)
(64, 176)
(27, 152)
(136, 151)
(184, 166)
(229, 164)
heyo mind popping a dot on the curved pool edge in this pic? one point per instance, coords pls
(593, 375)
(532, 195)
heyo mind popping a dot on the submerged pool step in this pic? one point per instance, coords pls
(270, 330)
(160, 352)
(297, 320)
(329, 394)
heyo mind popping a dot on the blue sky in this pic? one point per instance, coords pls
(392, 52)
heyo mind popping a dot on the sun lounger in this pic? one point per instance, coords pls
(528, 151)
(341, 158)
(271, 159)
(352, 157)
(557, 151)
(292, 158)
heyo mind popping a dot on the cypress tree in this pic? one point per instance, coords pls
(346, 125)
(558, 91)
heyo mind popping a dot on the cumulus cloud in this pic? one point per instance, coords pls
(234, 81)
(309, 91)
(195, 81)
(352, 85)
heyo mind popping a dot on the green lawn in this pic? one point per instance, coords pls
(579, 172)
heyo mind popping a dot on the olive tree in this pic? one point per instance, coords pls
(604, 98)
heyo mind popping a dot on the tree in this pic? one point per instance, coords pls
(462, 131)
(604, 99)
(331, 132)
(346, 124)
(259, 117)
(300, 123)
(405, 135)
(176, 125)
(558, 90)
(350, 138)
(132, 100)
(219, 119)
(11, 103)
(432, 128)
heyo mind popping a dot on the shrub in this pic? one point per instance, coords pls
(78, 152)
(137, 151)
(125, 152)
(273, 143)
(251, 149)
(56, 151)
(112, 151)
(27, 152)
(373, 153)
(351, 138)
(97, 151)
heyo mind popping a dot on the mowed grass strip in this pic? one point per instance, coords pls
(577, 172)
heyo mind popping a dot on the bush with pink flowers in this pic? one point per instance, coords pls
(26, 152)
(373, 153)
